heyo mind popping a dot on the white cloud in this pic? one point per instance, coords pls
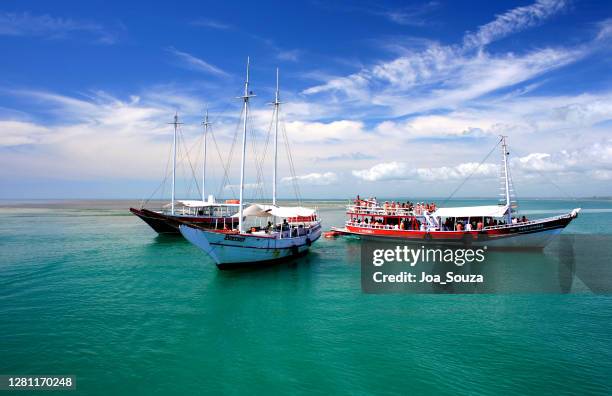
(384, 171)
(512, 21)
(194, 63)
(211, 23)
(458, 172)
(402, 171)
(593, 160)
(289, 55)
(447, 76)
(26, 24)
(15, 133)
(318, 179)
(338, 131)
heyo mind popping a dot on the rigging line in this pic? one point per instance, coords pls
(259, 162)
(567, 195)
(168, 172)
(182, 139)
(266, 145)
(513, 191)
(163, 182)
(292, 165)
(471, 174)
(226, 181)
(225, 169)
(264, 154)
(294, 179)
(258, 170)
(227, 163)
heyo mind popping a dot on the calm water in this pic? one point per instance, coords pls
(88, 289)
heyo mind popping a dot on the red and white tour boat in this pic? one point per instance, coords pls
(490, 225)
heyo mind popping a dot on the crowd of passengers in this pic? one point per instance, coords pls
(392, 207)
(286, 228)
(451, 224)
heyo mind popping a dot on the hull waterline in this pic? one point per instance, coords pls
(232, 249)
(168, 224)
(532, 235)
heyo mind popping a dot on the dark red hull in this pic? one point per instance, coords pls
(168, 224)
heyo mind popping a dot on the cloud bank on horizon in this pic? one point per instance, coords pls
(407, 106)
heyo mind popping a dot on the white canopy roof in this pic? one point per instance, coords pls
(189, 203)
(260, 210)
(472, 211)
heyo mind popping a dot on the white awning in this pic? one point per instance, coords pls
(260, 210)
(197, 204)
(472, 211)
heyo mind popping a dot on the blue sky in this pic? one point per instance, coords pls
(381, 98)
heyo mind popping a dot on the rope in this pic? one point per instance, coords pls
(182, 139)
(471, 174)
(296, 187)
(226, 164)
(572, 198)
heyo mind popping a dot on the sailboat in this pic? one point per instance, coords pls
(488, 225)
(290, 230)
(206, 213)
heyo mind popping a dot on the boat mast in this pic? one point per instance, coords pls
(245, 97)
(206, 124)
(176, 124)
(505, 154)
(276, 110)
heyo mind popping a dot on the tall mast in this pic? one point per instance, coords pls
(245, 97)
(276, 110)
(505, 154)
(176, 124)
(206, 124)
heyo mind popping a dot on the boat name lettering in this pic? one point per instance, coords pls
(234, 238)
(531, 227)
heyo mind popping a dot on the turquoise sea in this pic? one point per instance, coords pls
(88, 289)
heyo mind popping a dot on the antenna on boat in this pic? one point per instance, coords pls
(505, 154)
(245, 98)
(176, 124)
(276, 110)
(206, 125)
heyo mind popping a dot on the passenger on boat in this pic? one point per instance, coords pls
(459, 227)
(524, 219)
(468, 226)
(479, 225)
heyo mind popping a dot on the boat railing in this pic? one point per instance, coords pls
(381, 211)
(530, 222)
(376, 226)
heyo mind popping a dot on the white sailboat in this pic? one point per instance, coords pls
(297, 227)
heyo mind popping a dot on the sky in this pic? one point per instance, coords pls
(379, 98)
